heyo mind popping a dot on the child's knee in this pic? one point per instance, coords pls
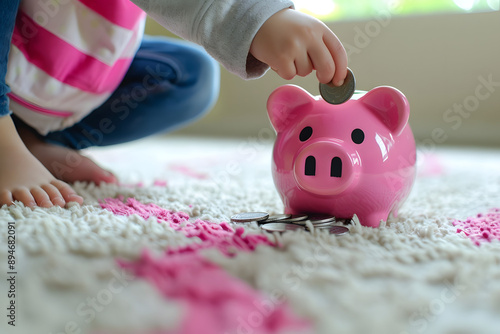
(209, 82)
(188, 79)
(203, 90)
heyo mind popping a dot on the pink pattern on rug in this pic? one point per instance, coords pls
(216, 302)
(160, 183)
(156, 183)
(482, 228)
(222, 236)
(132, 185)
(432, 165)
(132, 206)
(189, 172)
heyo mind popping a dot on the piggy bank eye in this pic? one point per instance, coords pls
(357, 136)
(306, 133)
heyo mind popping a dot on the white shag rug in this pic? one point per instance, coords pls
(415, 274)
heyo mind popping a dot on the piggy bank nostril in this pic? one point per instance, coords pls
(336, 167)
(310, 166)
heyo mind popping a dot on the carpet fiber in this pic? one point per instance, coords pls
(157, 253)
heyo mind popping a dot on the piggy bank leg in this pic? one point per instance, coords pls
(373, 219)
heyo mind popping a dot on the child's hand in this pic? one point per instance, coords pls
(293, 43)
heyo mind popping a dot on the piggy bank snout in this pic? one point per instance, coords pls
(325, 168)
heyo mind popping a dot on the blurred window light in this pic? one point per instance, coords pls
(317, 8)
(494, 4)
(466, 5)
(327, 10)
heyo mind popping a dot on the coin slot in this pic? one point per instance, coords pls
(306, 133)
(336, 168)
(310, 167)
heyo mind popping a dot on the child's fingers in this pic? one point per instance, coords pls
(286, 70)
(303, 65)
(339, 56)
(323, 63)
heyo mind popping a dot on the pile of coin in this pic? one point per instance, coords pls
(286, 222)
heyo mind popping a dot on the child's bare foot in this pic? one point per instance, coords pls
(24, 178)
(64, 163)
(25, 169)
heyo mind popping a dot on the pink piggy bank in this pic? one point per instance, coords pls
(354, 158)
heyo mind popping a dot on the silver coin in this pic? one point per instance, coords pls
(281, 227)
(338, 230)
(319, 219)
(298, 222)
(247, 217)
(295, 219)
(274, 218)
(324, 225)
(338, 95)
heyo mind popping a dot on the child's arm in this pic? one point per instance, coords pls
(248, 36)
(293, 44)
(22, 176)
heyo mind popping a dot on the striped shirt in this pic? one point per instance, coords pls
(68, 56)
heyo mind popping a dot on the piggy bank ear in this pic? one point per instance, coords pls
(286, 103)
(390, 105)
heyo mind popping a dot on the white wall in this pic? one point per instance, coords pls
(437, 61)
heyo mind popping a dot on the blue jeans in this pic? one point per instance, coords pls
(169, 84)
(8, 14)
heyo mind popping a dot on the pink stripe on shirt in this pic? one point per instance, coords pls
(39, 109)
(123, 13)
(66, 63)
